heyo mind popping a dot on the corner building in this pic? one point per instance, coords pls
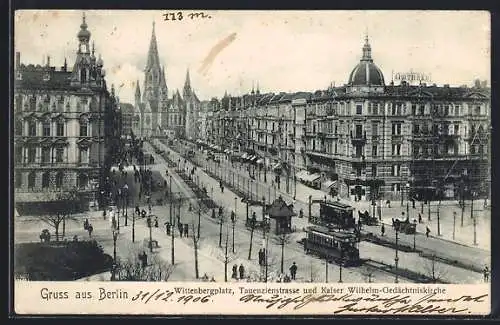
(66, 127)
(371, 141)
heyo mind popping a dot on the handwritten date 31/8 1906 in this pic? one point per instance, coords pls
(179, 15)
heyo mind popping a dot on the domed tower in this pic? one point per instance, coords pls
(366, 76)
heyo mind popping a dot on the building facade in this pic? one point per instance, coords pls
(66, 124)
(157, 114)
(366, 140)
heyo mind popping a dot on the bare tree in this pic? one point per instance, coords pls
(61, 210)
(132, 270)
(433, 269)
(283, 240)
(196, 239)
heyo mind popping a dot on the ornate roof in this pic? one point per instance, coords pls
(366, 72)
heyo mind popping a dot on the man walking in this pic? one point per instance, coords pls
(293, 270)
(427, 232)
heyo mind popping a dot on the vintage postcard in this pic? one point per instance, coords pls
(177, 162)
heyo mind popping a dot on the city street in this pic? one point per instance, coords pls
(372, 251)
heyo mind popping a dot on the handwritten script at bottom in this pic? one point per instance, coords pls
(374, 303)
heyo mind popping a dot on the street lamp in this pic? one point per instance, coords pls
(233, 221)
(396, 258)
(115, 237)
(415, 235)
(221, 221)
(407, 199)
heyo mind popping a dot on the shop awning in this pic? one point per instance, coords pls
(329, 184)
(253, 158)
(301, 174)
(260, 161)
(312, 177)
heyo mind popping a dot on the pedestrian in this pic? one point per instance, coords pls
(260, 256)
(234, 275)
(427, 231)
(186, 230)
(486, 273)
(419, 218)
(222, 189)
(382, 230)
(213, 213)
(301, 213)
(90, 229)
(156, 222)
(242, 271)
(293, 270)
(167, 224)
(180, 229)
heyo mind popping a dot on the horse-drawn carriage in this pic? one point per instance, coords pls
(404, 226)
(367, 219)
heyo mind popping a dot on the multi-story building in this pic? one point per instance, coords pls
(66, 126)
(366, 139)
(156, 113)
(127, 112)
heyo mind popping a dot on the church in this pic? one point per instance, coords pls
(156, 114)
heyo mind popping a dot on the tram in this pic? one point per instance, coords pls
(335, 213)
(333, 245)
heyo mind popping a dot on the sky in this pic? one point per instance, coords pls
(278, 50)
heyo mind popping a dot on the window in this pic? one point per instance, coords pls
(359, 109)
(45, 180)
(19, 180)
(457, 110)
(83, 128)
(19, 103)
(60, 129)
(18, 154)
(477, 110)
(421, 109)
(336, 129)
(84, 155)
(33, 103)
(396, 170)
(374, 151)
(31, 179)
(59, 155)
(46, 129)
(32, 129)
(59, 179)
(456, 128)
(18, 128)
(413, 109)
(375, 129)
(359, 131)
(45, 155)
(396, 149)
(396, 128)
(416, 129)
(31, 154)
(82, 180)
(374, 170)
(396, 187)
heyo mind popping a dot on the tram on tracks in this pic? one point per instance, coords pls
(335, 213)
(339, 246)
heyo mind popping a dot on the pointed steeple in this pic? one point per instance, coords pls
(186, 92)
(153, 58)
(137, 91)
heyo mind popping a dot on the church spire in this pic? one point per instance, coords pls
(187, 85)
(137, 91)
(153, 58)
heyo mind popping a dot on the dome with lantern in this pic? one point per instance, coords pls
(366, 73)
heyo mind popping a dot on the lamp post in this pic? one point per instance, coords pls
(221, 216)
(414, 236)
(408, 199)
(264, 224)
(115, 237)
(233, 221)
(396, 258)
(150, 226)
(473, 217)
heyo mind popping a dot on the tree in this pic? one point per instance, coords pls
(60, 210)
(435, 271)
(282, 240)
(132, 270)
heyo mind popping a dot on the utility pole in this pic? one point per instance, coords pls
(252, 224)
(438, 220)
(454, 222)
(172, 219)
(326, 270)
(199, 221)
(473, 218)
(267, 255)
(226, 258)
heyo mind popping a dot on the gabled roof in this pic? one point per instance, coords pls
(279, 208)
(33, 78)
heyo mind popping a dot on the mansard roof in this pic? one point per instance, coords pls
(36, 78)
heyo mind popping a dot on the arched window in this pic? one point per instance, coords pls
(45, 180)
(60, 128)
(59, 179)
(83, 128)
(31, 179)
(46, 128)
(32, 106)
(32, 128)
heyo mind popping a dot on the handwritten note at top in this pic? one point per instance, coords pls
(179, 16)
